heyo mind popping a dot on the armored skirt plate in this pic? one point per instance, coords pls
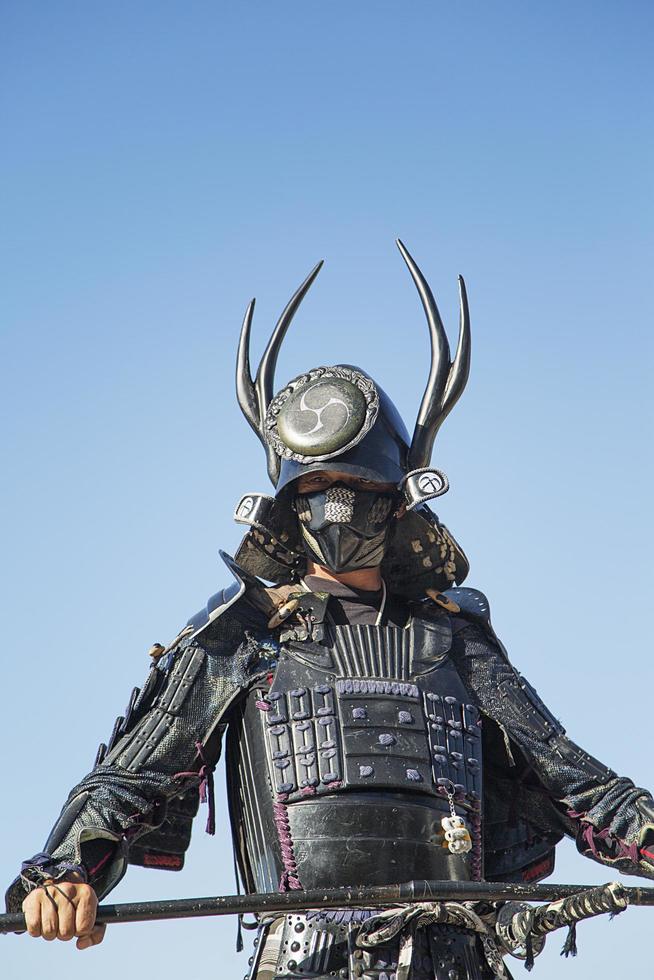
(321, 946)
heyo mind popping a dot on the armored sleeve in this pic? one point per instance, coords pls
(611, 819)
(166, 746)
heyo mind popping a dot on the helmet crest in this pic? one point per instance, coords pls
(325, 413)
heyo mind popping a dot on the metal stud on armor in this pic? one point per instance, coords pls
(372, 752)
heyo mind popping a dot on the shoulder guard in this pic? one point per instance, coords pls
(141, 701)
(519, 701)
(472, 603)
(218, 604)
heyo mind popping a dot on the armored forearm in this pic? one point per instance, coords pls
(611, 818)
(168, 746)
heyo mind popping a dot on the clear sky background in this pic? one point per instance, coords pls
(161, 163)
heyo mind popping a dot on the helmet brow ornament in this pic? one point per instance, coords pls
(322, 414)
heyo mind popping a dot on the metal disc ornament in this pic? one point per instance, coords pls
(322, 414)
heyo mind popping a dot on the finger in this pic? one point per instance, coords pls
(93, 939)
(32, 912)
(87, 905)
(66, 916)
(49, 915)
(67, 889)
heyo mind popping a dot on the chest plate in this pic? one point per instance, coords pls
(353, 759)
(380, 709)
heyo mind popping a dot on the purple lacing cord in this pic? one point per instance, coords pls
(43, 867)
(592, 837)
(289, 880)
(206, 787)
(475, 857)
(340, 916)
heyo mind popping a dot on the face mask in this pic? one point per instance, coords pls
(345, 529)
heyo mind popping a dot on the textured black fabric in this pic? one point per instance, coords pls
(609, 816)
(358, 607)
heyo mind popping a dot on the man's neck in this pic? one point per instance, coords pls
(366, 579)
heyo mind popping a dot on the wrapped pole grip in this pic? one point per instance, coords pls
(609, 898)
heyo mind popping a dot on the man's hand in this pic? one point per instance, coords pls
(62, 910)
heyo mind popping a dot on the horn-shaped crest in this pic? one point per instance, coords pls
(255, 396)
(447, 379)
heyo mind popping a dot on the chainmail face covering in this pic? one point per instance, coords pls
(339, 506)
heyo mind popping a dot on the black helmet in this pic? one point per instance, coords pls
(338, 418)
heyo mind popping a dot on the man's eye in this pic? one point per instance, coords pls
(313, 484)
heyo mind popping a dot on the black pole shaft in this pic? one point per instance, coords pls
(375, 896)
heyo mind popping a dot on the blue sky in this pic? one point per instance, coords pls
(164, 162)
